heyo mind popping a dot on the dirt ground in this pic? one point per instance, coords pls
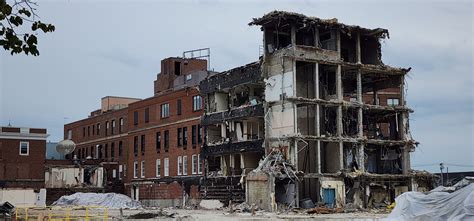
(59, 213)
(224, 214)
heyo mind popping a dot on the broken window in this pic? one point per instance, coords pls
(158, 142)
(177, 68)
(383, 159)
(305, 79)
(370, 50)
(277, 38)
(327, 39)
(328, 121)
(305, 36)
(348, 48)
(330, 157)
(327, 82)
(147, 115)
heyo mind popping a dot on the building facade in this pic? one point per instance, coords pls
(165, 135)
(22, 156)
(102, 139)
(334, 118)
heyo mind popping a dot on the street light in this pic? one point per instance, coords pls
(441, 167)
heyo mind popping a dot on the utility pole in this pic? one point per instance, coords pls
(441, 167)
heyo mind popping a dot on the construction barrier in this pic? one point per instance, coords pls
(62, 213)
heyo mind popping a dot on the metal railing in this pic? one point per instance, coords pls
(62, 213)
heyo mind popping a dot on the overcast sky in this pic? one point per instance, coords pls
(105, 48)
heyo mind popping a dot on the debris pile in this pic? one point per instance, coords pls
(145, 215)
(324, 210)
(276, 165)
(109, 200)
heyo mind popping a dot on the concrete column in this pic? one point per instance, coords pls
(338, 42)
(358, 55)
(318, 155)
(316, 96)
(341, 155)
(339, 98)
(406, 160)
(316, 37)
(361, 156)
(360, 126)
(293, 35)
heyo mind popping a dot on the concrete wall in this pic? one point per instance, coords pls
(260, 190)
(70, 177)
(23, 197)
(280, 121)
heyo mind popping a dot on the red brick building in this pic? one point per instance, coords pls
(22, 156)
(165, 136)
(102, 137)
(152, 145)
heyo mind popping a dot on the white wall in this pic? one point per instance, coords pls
(23, 197)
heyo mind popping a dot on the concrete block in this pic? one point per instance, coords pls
(211, 204)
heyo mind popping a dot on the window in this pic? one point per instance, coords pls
(106, 151)
(142, 174)
(121, 125)
(158, 142)
(113, 127)
(120, 149)
(135, 118)
(69, 134)
(142, 145)
(107, 128)
(180, 165)
(98, 129)
(180, 136)
(135, 145)
(125, 170)
(87, 152)
(112, 150)
(167, 140)
(392, 101)
(194, 163)
(185, 136)
(189, 77)
(185, 165)
(92, 152)
(165, 110)
(199, 134)
(193, 135)
(83, 132)
(167, 167)
(100, 152)
(93, 129)
(177, 68)
(199, 164)
(135, 169)
(158, 167)
(197, 103)
(88, 131)
(147, 115)
(179, 107)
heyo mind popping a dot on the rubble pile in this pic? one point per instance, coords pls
(109, 200)
(275, 164)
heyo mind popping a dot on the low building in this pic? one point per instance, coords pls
(22, 155)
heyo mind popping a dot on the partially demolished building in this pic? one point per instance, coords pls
(328, 118)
